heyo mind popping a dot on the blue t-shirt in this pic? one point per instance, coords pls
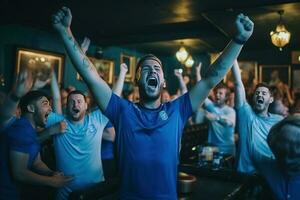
(253, 131)
(107, 147)
(148, 143)
(77, 151)
(284, 186)
(220, 134)
(20, 137)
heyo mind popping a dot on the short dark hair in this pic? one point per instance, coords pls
(143, 59)
(285, 144)
(76, 92)
(29, 98)
(264, 85)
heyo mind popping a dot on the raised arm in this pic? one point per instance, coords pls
(240, 94)
(118, 86)
(198, 71)
(182, 87)
(207, 101)
(219, 68)
(57, 107)
(22, 86)
(101, 91)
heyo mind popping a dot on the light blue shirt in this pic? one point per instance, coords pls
(253, 131)
(220, 134)
(77, 151)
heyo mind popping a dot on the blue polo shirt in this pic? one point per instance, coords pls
(20, 137)
(283, 185)
(148, 142)
(253, 131)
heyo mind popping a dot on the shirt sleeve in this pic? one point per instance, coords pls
(18, 141)
(185, 106)
(115, 106)
(98, 115)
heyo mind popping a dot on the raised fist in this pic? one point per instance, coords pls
(244, 28)
(62, 19)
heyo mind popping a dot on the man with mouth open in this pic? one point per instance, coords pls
(148, 133)
(19, 153)
(253, 123)
(77, 149)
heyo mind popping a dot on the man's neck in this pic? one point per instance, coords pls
(76, 121)
(263, 113)
(151, 104)
(29, 117)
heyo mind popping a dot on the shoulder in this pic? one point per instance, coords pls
(98, 116)
(275, 117)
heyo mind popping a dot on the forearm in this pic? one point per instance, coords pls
(182, 86)
(88, 72)
(225, 120)
(240, 94)
(217, 71)
(118, 86)
(109, 134)
(42, 169)
(27, 176)
(56, 95)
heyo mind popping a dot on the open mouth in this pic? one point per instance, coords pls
(152, 82)
(76, 110)
(260, 101)
(46, 116)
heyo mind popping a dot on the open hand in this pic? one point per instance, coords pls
(85, 44)
(58, 180)
(123, 68)
(23, 83)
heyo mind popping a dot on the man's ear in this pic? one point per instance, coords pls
(30, 108)
(271, 99)
(164, 84)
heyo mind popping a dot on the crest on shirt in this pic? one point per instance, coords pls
(163, 115)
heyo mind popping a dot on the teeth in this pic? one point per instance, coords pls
(152, 82)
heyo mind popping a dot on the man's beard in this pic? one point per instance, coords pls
(147, 98)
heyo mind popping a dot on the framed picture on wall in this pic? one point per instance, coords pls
(296, 80)
(130, 62)
(105, 69)
(249, 73)
(41, 63)
(269, 72)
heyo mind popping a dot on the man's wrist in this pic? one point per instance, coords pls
(238, 40)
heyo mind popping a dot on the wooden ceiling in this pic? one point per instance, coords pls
(159, 26)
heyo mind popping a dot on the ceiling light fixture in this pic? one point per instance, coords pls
(189, 62)
(182, 55)
(281, 36)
